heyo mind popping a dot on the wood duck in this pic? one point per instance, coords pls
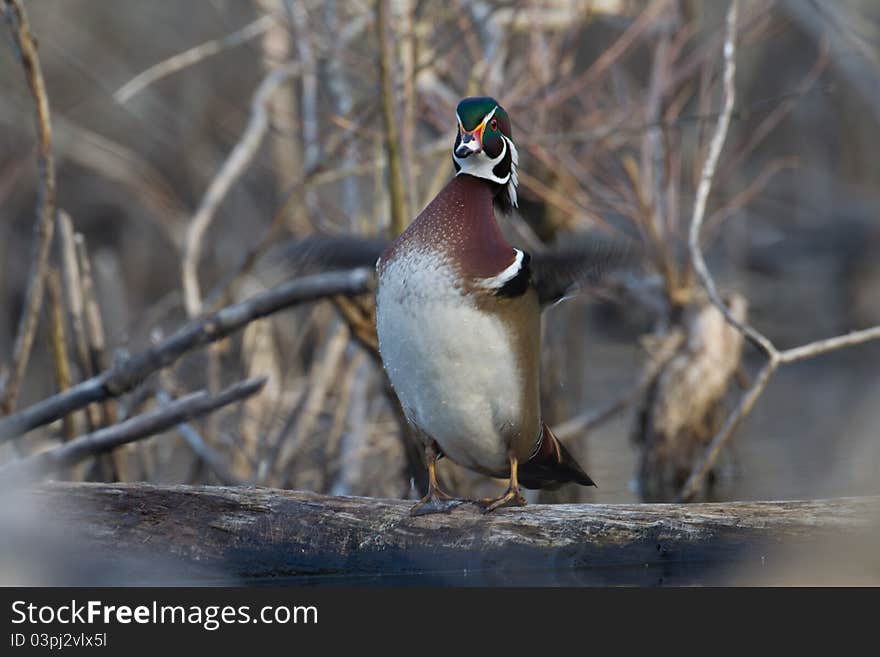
(458, 315)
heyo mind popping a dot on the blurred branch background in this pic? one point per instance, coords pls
(259, 122)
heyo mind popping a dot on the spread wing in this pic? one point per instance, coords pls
(564, 270)
(317, 253)
(555, 273)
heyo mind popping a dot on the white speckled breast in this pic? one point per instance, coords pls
(452, 365)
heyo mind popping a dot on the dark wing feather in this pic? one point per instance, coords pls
(552, 465)
(317, 253)
(563, 270)
(554, 273)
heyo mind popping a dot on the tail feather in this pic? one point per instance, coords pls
(552, 465)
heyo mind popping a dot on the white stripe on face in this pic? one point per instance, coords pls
(479, 164)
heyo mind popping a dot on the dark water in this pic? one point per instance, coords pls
(669, 574)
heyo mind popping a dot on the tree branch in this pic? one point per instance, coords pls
(190, 57)
(136, 428)
(231, 170)
(823, 346)
(775, 356)
(25, 44)
(709, 165)
(396, 191)
(269, 535)
(199, 447)
(605, 61)
(127, 374)
(586, 421)
(58, 344)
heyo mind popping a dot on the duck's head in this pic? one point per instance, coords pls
(484, 147)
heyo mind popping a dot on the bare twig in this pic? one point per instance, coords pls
(775, 356)
(361, 322)
(276, 46)
(344, 392)
(752, 190)
(823, 346)
(787, 103)
(311, 178)
(114, 162)
(324, 374)
(653, 149)
(259, 353)
(618, 126)
(587, 420)
(58, 343)
(127, 168)
(94, 325)
(127, 374)
(410, 121)
(709, 164)
(202, 449)
(25, 44)
(73, 290)
(190, 57)
(231, 170)
(549, 195)
(302, 35)
(340, 82)
(747, 402)
(141, 426)
(396, 187)
(603, 64)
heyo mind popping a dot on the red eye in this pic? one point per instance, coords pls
(493, 124)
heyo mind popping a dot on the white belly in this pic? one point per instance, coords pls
(451, 364)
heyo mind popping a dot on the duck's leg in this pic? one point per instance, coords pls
(513, 496)
(436, 501)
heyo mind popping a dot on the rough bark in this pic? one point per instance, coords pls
(254, 534)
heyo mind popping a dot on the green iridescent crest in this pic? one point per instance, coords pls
(472, 111)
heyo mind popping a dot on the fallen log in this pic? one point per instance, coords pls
(259, 535)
